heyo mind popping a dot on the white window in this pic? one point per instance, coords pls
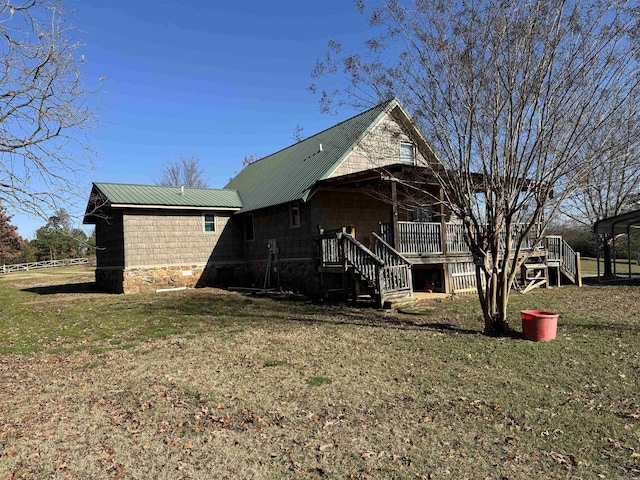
(209, 222)
(407, 154)
(294, 216)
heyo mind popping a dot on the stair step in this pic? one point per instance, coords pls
(531, 266)
(396, 303)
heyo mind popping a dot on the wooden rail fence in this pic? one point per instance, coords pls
(23, 267)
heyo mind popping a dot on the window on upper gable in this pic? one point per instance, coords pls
(209, 222)
(407, 154)
(294, 216)
(424, 214)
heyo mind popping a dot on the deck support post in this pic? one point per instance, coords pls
(613, 253)
(446, 281)
(629, 248)
(598, 254)
(394, 215)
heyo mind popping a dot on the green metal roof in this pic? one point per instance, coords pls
(289, 174)
(154, 195)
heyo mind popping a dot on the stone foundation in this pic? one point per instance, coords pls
(300, 276)
(137, 280)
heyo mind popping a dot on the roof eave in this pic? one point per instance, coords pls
(173, 207)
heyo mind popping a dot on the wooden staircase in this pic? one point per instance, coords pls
(555, 256)
(564, 258)
(382, 271)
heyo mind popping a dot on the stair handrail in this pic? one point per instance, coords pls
(569, 258)
(395, 275)
(387, 253)
(350, 238)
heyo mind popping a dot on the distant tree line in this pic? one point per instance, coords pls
(56, 240)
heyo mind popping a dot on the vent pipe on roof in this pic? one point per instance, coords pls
(320, 147)
(182, 190)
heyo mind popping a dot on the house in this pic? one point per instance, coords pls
(351, 208)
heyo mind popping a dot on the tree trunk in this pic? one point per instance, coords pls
(494, 304)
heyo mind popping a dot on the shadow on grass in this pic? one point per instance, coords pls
(254, 308)
(603, 327)
(621, 280)
(67, 288)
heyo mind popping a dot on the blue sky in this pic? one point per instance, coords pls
(214, 80)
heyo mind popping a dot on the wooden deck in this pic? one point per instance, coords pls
(387, 271)
(423, 239)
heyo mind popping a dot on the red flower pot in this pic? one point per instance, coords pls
(539, 326)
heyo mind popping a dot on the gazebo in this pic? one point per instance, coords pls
(619, 224)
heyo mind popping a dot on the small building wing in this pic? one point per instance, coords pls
(119, 195)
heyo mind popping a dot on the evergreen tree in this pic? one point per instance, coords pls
(10, 241)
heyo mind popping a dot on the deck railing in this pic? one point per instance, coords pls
(330, 251)
(426, 237)
(455, 239)
(419, 237)
(554, 247)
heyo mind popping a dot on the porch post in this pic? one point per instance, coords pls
(598, 254)
(443, 224)
(613, 247)
(629, 247)
(394, 215)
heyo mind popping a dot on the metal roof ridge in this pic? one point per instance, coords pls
(161, 186)
(385, 103)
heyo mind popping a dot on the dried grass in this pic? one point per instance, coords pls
(410, 396)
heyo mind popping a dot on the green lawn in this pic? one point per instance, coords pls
(207, 384)
(590, 267)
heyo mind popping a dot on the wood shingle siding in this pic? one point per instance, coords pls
(162, 238)
(378, 149)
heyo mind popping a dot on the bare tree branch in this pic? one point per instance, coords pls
(43, 107)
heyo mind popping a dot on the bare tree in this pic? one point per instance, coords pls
(508, 94)
(183, 172)
(249, 159)
(42, 107)
(612, 184)
(297, 135)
